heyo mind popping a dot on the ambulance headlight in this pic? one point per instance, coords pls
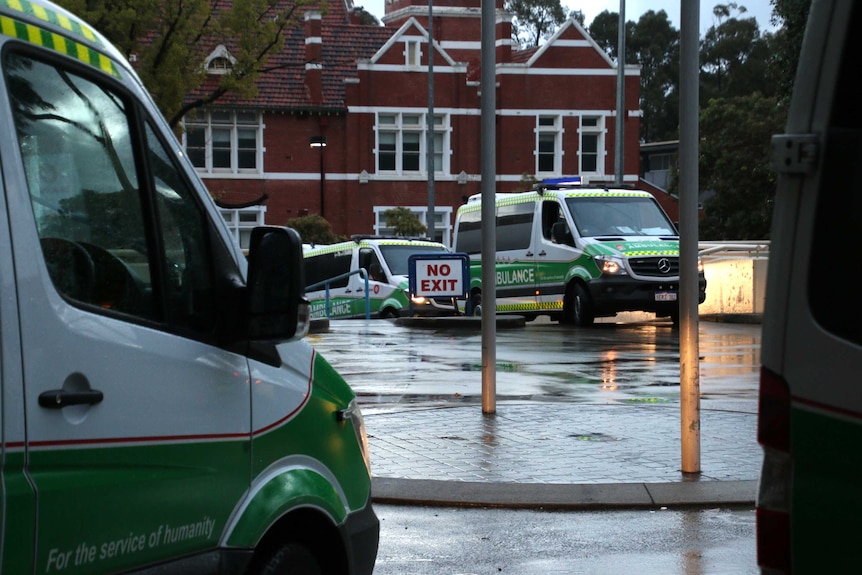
(610, 265)
(419, 300)
(354, 415)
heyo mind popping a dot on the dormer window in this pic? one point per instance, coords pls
(219, 61)
(219, 65)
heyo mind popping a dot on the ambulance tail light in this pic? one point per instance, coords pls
(773, 496)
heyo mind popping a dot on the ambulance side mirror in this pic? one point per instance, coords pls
(277, 308)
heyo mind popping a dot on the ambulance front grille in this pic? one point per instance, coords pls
(655, 266)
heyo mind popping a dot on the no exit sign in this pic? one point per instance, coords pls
(439, 275)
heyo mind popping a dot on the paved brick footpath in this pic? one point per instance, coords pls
(561, 443)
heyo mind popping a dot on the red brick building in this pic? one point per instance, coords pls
(364, 90)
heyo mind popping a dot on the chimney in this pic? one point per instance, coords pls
(504, 37)
(314, 56)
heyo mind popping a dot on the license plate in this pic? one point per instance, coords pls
(665, 296)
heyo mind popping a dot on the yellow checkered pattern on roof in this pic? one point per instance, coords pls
(609, 194)
(653, 253)
(51, 40)
(518, 199)
(348, 246)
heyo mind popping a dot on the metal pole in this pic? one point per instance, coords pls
(689, 71)
(619, 165)
(429, 152)
(489, 227)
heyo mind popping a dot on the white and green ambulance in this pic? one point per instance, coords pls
(368, 276)
(576, 253)
(809, 501)
(159, 410)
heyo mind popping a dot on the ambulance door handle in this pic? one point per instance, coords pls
(543, 253)
(60, 398)
(529, 254)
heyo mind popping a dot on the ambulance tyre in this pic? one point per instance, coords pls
(582, 307)
(292, 559)
(475, 304)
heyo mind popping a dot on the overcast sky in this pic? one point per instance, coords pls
(761, 10)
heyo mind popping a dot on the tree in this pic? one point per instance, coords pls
(366, 18)
(792, 15)
(169, 41)
(733, 56)
(403, 222)
(652, 44)
(314, 229)
(735, 149)
(535, 20)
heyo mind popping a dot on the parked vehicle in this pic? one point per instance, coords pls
(810, 415)
(160, 410)
(368, 276)
(576, 253)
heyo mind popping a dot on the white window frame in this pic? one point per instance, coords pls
(549, 127)
(233, 126)
(240, 222)
(411, 125)
(412, 53)
(442, 221)
(596, 131)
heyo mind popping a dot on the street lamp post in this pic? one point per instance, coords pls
(320, 142)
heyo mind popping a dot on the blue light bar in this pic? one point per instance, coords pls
(570, 181)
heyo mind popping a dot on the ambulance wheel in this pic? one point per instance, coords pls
(476, 304)
(582, 307)
(292, 559)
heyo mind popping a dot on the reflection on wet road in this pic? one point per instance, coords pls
(636, 362)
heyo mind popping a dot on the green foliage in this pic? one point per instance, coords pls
(535, 20)
(314, 229)
(171, 39)
(792, 15)
(734, 163)
(733, 56)
(403, 222)
(527, 181)
(366, 18)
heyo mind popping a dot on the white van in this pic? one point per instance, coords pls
(368, 276)
(159, 411)
(576, 253)
(809, 501)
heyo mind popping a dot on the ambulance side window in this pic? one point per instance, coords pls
(838, 218)
(515, 226)
(371, 263)
(324, 267)
(469, 239)
(76, 145)
(94, 210)
(188, 285)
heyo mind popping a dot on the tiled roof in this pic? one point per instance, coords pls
(523, 56)
(283, 86)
